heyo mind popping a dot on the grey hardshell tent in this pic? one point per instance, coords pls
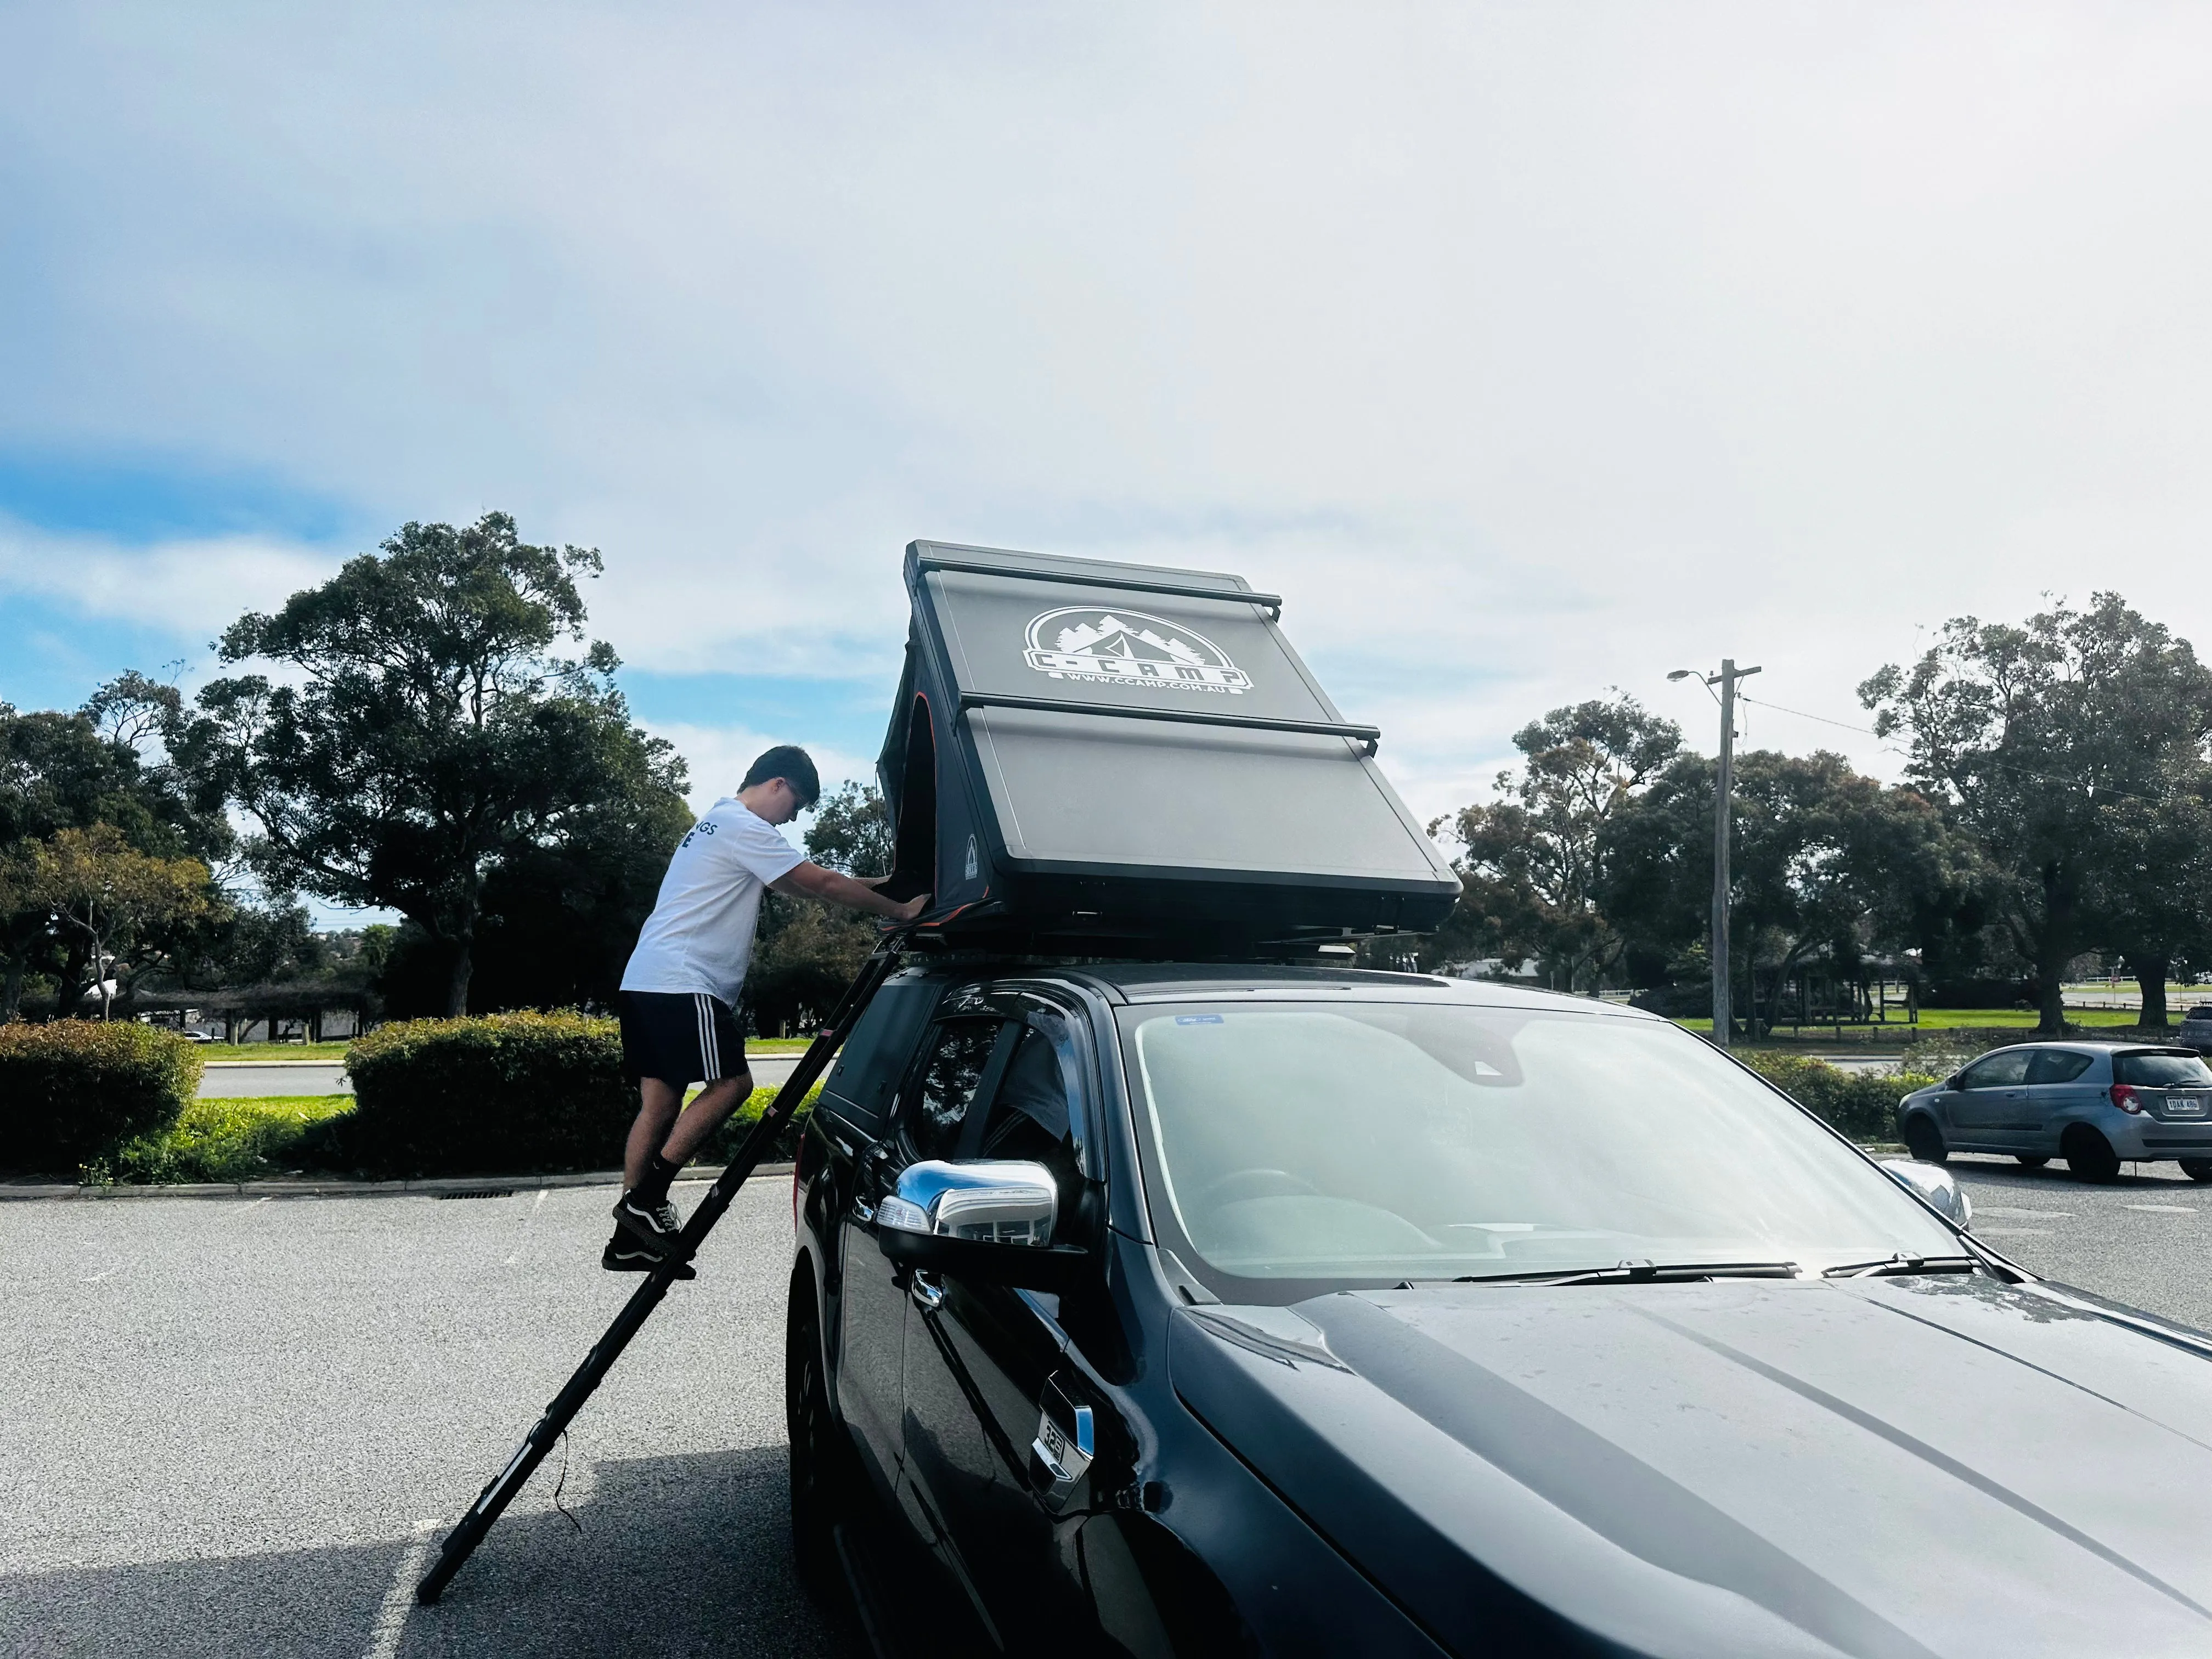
(1083, 751)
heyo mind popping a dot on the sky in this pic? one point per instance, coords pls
(1530, 350)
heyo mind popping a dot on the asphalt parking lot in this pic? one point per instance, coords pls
(2145, 1240)
(235, 1426)
(232, 1426)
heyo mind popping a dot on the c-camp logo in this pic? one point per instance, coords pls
(1129, 647)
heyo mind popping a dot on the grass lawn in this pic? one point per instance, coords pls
(1949, 1020)
(229, 1140)
(273, 1050)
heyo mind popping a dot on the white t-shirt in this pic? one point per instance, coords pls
(700, 935)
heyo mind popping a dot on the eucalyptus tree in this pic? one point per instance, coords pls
(433, 710)
(1533, 861)
(2042, 739)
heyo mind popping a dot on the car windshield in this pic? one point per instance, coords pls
(1392, 1141)
(2161, 1070)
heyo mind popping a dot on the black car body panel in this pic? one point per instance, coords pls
(1951, 1464)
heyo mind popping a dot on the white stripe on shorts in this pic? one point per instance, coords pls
(710, 1053)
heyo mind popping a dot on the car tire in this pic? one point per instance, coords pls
(2197, 1169)
(2033, 1160)
(2089, 1156)
(1925, 1141)
(819, 1466)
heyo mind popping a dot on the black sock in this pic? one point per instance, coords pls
(658, 1173)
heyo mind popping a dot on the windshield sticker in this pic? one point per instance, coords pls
(1198, 1020)
(1130, 647)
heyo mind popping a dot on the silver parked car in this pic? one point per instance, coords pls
(2095, 1104)
(2196, 1028)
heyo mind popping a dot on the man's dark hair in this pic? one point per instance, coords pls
(795, 766)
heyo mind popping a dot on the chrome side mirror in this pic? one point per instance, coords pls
(1933, 1182)
(991, 1201)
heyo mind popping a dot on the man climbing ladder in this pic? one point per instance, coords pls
(680, 993)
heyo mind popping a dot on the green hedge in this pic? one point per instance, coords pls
(246, 1140)
(72, 1091)
(1862, 1105)
(722, 1146)
(502, 1094)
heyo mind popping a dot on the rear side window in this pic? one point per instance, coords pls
(2005, 1070)
(2154, 1070)
(2056, 1065)
(874, 1057)
(959, 1053)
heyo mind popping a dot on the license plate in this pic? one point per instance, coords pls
(2185, 1106)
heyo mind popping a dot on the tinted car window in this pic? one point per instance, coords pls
(1387, 1141)
(2056, 1065)
(2004, 1070)
(959, 1050)
(1028, 1115)
(2155, 1071)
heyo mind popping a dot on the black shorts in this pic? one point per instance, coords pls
(681, 1038)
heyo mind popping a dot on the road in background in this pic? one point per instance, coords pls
(225, 1421)
(231, 1079)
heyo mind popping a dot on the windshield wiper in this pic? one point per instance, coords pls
(1903, 1262)
(1640, 1272)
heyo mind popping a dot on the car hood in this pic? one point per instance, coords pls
(1896, 1467)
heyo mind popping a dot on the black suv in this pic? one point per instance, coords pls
(1169, 1310)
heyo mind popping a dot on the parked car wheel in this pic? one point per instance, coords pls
(1925, 1141)
(818, 1468)
(2197, 1169)
(2089, 1155)
(2033, 1160)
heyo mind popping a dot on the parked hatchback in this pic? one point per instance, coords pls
(2095, 1104)
(2195, 1030)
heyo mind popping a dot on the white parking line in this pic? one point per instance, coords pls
(2161, 1209)
(392, 1617)
(104, 1273)
(527, 1220)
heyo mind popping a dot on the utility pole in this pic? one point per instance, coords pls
(1723, 783)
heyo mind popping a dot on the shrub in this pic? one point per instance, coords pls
(230, 1140)
(722, 1146)
(1862, 1105)
(73, 1091)
(497, 1095)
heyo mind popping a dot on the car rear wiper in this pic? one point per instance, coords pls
(1903, 1262)
(1641, 1273)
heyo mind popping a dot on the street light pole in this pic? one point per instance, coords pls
(1723, 783)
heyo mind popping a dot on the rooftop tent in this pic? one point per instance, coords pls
(1088, 751)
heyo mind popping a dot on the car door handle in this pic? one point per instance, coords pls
(863, 1211)
(928, 1295)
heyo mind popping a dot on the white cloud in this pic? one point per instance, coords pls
(196, 587)
(1528, 351)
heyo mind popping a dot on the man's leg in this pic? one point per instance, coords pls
(662, 1101)
(703, 1116)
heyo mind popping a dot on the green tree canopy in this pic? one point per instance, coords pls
(2037, 737)
(424, 728)
(1823, 861)
(1533, 861)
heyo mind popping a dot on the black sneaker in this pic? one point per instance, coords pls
(624, 1254)
(654, 1224)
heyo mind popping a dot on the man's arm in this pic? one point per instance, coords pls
(815, 882)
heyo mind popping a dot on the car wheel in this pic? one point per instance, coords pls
(2197, 1169)
(2089, 1155)
(1925, 1141)
(818, 1469)
(2033, 1160)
